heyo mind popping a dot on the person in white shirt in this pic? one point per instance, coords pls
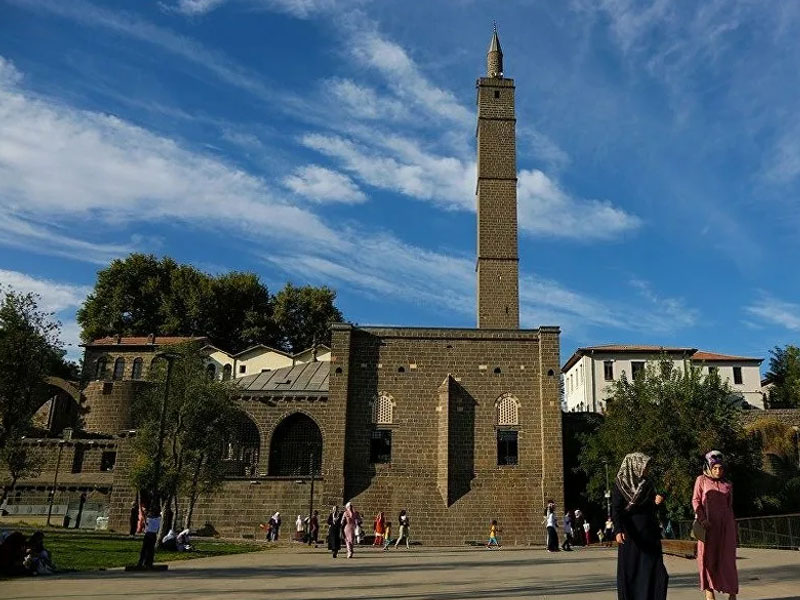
(151, 527)
(551, 522)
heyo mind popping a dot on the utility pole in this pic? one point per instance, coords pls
(155, 495)
(608, 491)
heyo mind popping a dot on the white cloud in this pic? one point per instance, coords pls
(664, 313)
(545, 209)
(363, 102)
(75, 165)
(302, 9)
(324, 185)
(55, 296)
(777, 312)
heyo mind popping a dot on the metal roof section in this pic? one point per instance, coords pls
(306, 379)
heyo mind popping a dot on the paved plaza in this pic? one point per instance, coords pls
(418, 574)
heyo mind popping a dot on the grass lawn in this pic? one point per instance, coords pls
(87, 550)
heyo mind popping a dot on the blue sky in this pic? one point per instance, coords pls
(332, 142)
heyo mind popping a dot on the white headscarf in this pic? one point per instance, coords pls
(631, 480)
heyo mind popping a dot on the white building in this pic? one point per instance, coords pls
(258, 359)
(590, 371)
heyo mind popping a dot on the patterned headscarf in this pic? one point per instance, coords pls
(715, 457)
(631, 480)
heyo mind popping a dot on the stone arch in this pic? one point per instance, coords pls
(119, 369)
(294, 440)
(211, 371)
(101, 367)
(136, 371)
(383, 406)
(507, 410)
(242, 450)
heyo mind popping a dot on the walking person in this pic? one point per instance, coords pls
(387, 535)
(359, 528)
(300, 529)
(133, 519)
(587, 532)
(608, 532)
(577, 527)
(379, 527)
(349, 524)
(275, 526)
(493, 530)
(148, 551)
(551, 522)
(405, 528)
(335, 531)
(641, 574)
(713, 506)
(566, 545)
(313, 529)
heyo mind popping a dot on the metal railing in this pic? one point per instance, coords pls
(776, 531)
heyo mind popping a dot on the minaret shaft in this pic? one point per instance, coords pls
(498, 259)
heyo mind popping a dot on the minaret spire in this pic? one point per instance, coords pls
(494, 58)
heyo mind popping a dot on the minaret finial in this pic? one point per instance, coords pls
(494, 59)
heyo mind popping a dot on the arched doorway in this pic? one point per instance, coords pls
(240, 453)
(296, 440)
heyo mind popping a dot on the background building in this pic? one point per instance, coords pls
(590, 372)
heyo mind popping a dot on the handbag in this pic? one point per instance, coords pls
(698, 531)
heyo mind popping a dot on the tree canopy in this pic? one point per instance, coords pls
(784, 377)
(30, 350)
(675, 415)
(142, 294)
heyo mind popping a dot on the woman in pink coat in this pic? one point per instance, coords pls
(349, 522)
(713, 506)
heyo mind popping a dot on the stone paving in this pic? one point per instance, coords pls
(416, 574)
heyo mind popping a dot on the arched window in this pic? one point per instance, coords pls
(296, 440)
(383, 409)
(226, 372)
(507, 410)
(211, 371)
(137, 368)
(119, 368)
(240, 453)
(100, 368)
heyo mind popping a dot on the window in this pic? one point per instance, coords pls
(211, 371)
(108, 460)
(295, 440)
(119, 368)
(137, 368)
(226, 372)
(242, 369)
(507, 410)
(380, 446)
(77, 458)
(497, 93)
(506, 447)
(737, 375)
(100, 368)
(637, 369)
(241, 448)
(608, 370)
(383, 410)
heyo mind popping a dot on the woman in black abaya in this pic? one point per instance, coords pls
(640, 565)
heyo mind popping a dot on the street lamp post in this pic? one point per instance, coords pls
(55, 482)
(311, 494)
(608, 491)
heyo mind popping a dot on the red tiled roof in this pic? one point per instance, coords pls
(143, 341)
(634, 348)
(714, 356)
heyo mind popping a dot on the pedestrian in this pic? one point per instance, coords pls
(587, 532)
(313, 529)
(608, 533)
(405, 529)
(359, 528)
(601, 536)
(300, 529)
(387, 535)
(566, 545)
(379, 527)
(142, 518)
(641, 574)
(133, 519)
(493, 531)
(335, 531)
(713, 506)
(551, 522)
(577, 527)
(349, 524)
(275, 526)
(148, 551)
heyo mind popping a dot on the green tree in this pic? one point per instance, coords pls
(30, 350)
(784, 377)
(303, 316)
(21, 463)
(201, 414)
(675, 415)
(779, 486)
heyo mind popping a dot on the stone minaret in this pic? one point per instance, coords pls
(498, 258)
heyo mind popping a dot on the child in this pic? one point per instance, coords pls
(387, 535)
(600, 536)
(493, 536)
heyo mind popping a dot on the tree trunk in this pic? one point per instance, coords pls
(193, 491)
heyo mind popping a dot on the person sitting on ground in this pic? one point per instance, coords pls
(182, 541)
(12, 553)
(169, 541)
(37, 559)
